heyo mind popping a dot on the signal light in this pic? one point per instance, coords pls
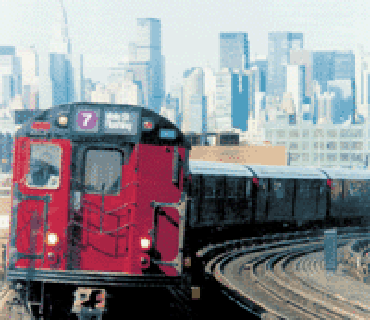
(329, 183)
(148, 125)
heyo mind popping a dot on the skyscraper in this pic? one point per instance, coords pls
(234, 98)
(61, 72)
(177, 93)
(296, 86)
(261, 63)
(343, 106)
(171, 109)
(78, 77)
(234, 50)
(194, 106)
(362, 77)
(30, 77)
(146, 61)
(279, 46)
(304, 57)
(10, 74)
(344, 65)
(210, 94)
(333, 65)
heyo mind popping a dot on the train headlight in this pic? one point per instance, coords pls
(52, 239)
(145, 243)
(63, 121)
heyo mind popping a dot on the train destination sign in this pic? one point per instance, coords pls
(121, 122)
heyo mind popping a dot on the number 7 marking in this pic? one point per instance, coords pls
(87, 117)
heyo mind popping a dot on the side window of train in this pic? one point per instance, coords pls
(232, 187)
(278, 189)
(263, 189)
(304, 188)
(209, 187)
(248, 188)
(355, 188)
(45, 164)
(103, 168)
(195, 186)
(322, 187)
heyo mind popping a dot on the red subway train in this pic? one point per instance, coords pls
(98, 202)
(104, 197)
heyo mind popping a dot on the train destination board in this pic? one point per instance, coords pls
(121, 122)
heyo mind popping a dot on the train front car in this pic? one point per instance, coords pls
(98, 203)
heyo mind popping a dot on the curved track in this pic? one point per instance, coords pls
(267, 281)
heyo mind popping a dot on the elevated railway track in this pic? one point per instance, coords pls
(271, 280)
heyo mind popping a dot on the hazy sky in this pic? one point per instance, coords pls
(102, 29)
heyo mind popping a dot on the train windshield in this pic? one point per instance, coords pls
(45, 162)
(103, 169)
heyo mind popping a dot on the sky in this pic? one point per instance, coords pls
(102, 29)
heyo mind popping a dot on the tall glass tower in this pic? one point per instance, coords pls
(61, 72)
(279, 46)
(147, 62)
(234, 50)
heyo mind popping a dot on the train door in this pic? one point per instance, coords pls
(337, 198)
(305, 205)
(212, 206)
(105, 209)
(281, 200)
(41, 183)
(262, 200)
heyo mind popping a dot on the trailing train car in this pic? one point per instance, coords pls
(98, 202)
(350, 195)
(271, 199)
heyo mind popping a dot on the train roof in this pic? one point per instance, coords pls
(125, 123)
(350, 174)
(277, 172)
(286, 172)
(218, 168)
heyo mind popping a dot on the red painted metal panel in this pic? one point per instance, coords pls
(155, 166)
(30, 212)
(109, 250)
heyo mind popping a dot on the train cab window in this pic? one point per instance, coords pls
(45, 164)
(103, 167)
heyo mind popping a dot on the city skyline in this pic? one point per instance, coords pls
(94, 33)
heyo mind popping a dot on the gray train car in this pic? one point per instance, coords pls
(251, 200)
(290, 195)
(220, 194)
(350, 195)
